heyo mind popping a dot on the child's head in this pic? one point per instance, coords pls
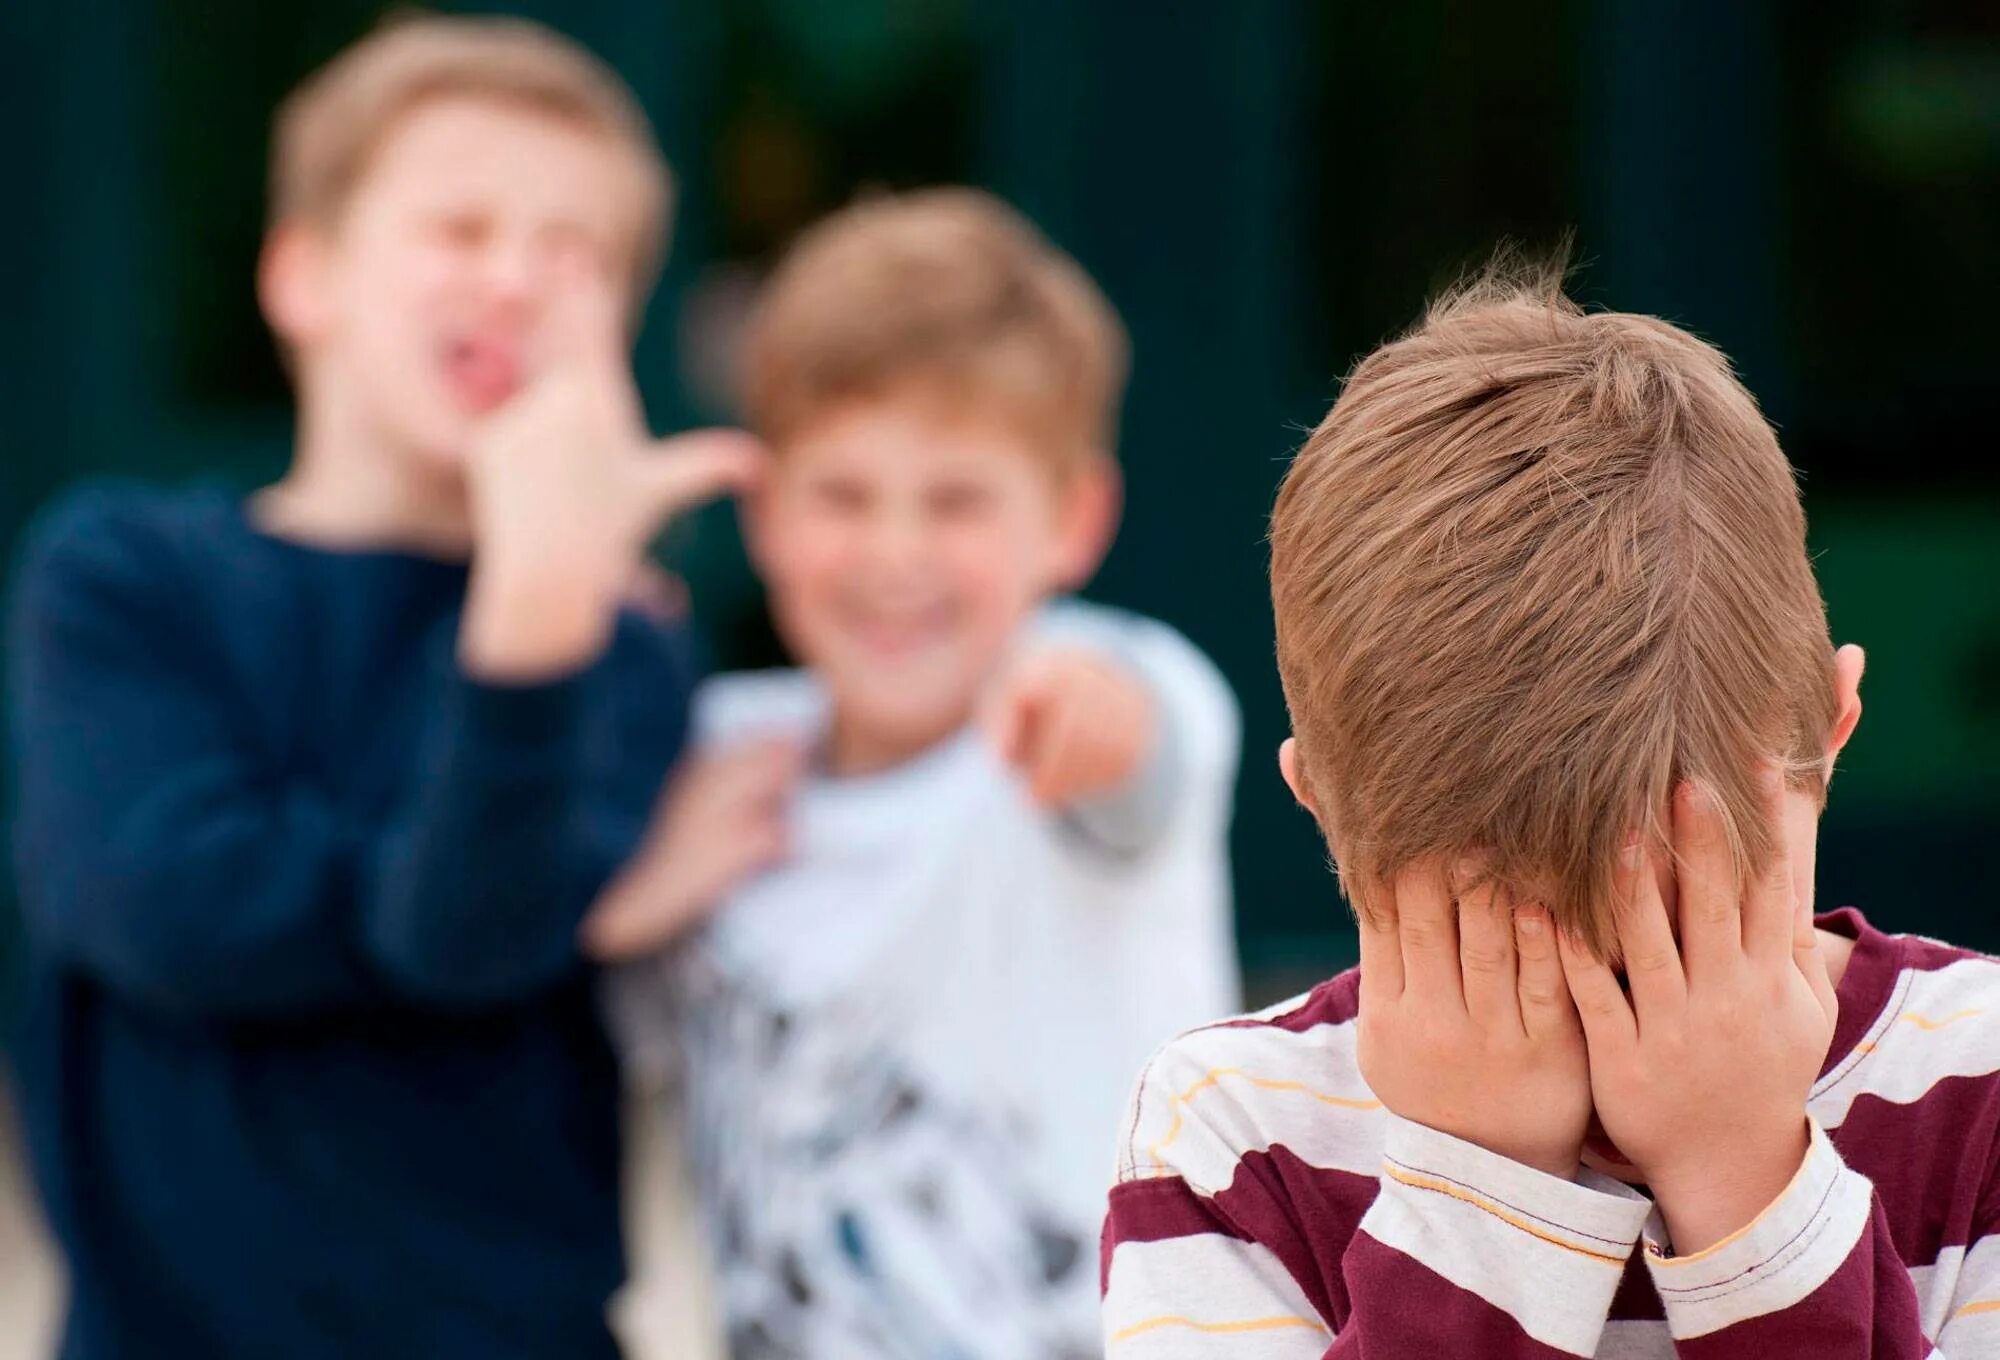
(428, 188)
(1536, 566)
(939, 387)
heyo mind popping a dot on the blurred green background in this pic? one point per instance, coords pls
(1265, 189)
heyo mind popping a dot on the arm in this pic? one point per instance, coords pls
(1766, 1246)
(153, 853)
(1462, 1252)
(162, 856)
(1816, 1274)
(1117, 721)
(1483, 1236)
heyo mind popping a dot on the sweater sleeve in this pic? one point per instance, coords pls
(1817, 1274)
(1461, 1252)
(159, 856)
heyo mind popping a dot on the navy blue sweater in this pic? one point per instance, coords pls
(310, 1066)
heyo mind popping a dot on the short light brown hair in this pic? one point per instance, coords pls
(946, 294)
(1536, 566)
(329, 128)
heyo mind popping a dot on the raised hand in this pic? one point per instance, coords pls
(1466, 1025)
(722, 820)
(1072, 722)
(1701, 1075)
(567, 488)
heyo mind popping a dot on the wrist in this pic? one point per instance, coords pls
(1706, 1199)
(528, 622)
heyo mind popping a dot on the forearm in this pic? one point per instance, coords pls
(1814, 1274)
(476, 893)
(1466, 1253)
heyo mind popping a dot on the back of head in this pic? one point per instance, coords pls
(942, 294)
(1536, 566)
(331, 125)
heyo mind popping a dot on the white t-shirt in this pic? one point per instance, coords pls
(903, 1053)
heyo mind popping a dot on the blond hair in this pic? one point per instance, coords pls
(329, 128)
(1536, 566)
(944, 293)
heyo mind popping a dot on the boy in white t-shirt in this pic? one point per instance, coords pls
(969, 867)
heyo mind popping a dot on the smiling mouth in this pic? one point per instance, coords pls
(903, 632)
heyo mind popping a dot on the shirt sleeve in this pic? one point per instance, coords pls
(1198, 745)
(1461, 1252)
(1817, 1274)
(168, 862)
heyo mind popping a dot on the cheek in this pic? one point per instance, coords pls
(1000, 569)
(805, 556)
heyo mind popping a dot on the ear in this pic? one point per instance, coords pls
(1288, 766)
(292, 284)
(1848, 664)
(1092, 502)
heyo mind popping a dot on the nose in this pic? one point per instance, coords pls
(899, 540)
(515, 273)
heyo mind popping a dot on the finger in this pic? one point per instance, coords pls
(1544, 997)
(1060, 768)
(584, 324)
(1705, 880)
(1811, 962)
(1486, 957)
(1381, 948)
(1428, 936)
(1004, 719)
(1769, 909)
(1019, 705)
(1600, 1006)
(677, 474)
(1653, 966)
(746, 774)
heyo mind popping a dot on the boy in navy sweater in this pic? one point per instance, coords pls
(314, 790)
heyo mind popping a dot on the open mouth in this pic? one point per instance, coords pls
(481, 372)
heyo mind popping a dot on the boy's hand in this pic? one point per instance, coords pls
(1073, 723)
(1466, 1026)
(722, 820)
(1701, 1077)
(566, 490)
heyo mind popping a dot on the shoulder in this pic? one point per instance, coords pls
(1925, 1032)
(118, 540)
(1283, 1077)
(744, 705)
(103, 522)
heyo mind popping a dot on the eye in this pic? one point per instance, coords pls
(841, 497)
(573, 239)
(461, 230)
(959, 500)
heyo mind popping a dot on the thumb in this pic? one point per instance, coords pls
(1009, 719)
(691, 469)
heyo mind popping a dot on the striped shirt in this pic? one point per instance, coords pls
(1267, 1205)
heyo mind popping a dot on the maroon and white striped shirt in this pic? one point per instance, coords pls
(1268, 1206)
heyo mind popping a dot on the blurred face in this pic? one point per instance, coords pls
(417, 311)
(902, 550)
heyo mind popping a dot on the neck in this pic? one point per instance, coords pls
(855, 748)
(350, 487)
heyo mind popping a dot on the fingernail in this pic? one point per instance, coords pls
(1529, 921)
